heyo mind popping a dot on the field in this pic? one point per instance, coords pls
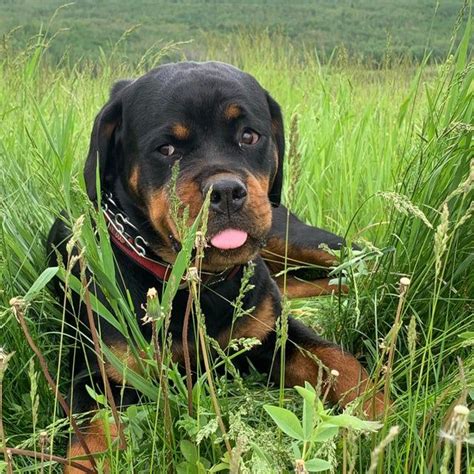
(383, 156)
(362, 28)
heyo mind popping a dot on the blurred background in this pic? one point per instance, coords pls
(364, 29)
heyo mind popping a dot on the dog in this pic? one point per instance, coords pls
(224, 133)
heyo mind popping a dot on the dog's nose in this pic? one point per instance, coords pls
(228, 195)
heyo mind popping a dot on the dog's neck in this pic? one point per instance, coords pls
(137, 216)
(126, 234)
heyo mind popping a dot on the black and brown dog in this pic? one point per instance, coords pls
(226, 134)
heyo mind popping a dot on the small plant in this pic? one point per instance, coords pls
(316, 426)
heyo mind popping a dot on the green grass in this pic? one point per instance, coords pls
(365, 28)
(384, 158)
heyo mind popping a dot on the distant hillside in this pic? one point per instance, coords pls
(367, 28)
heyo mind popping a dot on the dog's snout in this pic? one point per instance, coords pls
(228, 195)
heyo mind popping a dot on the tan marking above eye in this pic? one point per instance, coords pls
(232, 111)
(180, 131)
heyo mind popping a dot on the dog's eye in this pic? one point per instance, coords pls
(249, 137)
(166, 150)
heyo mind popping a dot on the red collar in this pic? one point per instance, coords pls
(136, 249)
(159, 270)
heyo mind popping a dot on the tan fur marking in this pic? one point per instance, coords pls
(296, 288)
(351, 382)
(177, 353)
(180, 131)
(158, 211)
(232, 111)
(95, 435)
(133, 180)
(257, 189)
(190, 195)
(276, 252)
(259, 324)
(158, 208)
(122, 352)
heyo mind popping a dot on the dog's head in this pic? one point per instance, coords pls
(224, 132)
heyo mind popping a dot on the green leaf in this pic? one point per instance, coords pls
(308, 394)
(349, 421)
(222, 466)
(186, 468)
(471, 394)
(41, 282)
(189, 451)
(260, 453)
(324, 432)
(99, 398)
(296, 450)
(96, 305)
(309, 398)
(286, 421)
(317, 465)
(144, 385)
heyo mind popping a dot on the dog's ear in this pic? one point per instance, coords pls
(279, 136)
(102, 144)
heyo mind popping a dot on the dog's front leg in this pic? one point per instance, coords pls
(309, 358)
(343, 378)
(298, 247)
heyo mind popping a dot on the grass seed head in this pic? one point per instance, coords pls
(76, 233)
(412, 336)
(294, 158)
(441, 239)
(403, 205)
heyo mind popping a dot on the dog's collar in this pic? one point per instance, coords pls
(126, 237)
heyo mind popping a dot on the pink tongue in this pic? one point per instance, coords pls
(229, 239)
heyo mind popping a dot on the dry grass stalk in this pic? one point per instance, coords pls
(404, 284)
(212, 391)
(300, 467)
(50, 457)
(18, 308)
(4, 358)
(152, 314)
(186, 356)
(43, 442)
(100, 359)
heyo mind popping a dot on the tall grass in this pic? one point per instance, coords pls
(385, 160)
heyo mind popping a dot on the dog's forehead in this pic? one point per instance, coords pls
(191, 88)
